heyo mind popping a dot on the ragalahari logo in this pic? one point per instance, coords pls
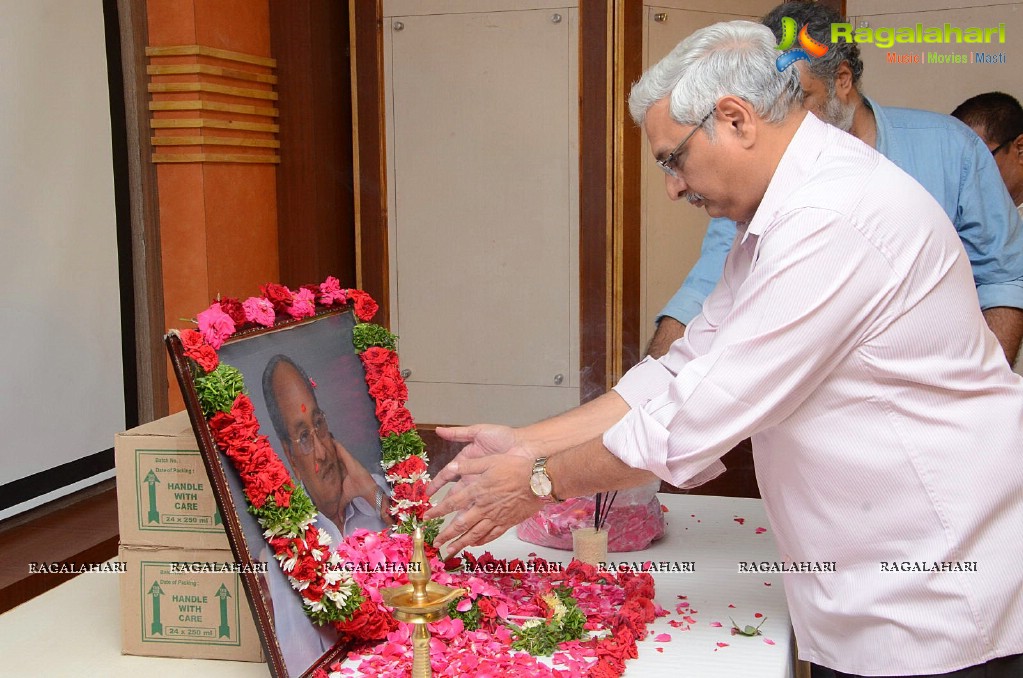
(808, 47)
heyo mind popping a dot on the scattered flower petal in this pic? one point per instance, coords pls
(716, 625)
(757, 615)
(663, 638)
(768, 641)
(760, 530)
(720, 644)
(739, 520)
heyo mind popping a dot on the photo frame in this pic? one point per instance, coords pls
(298, 408)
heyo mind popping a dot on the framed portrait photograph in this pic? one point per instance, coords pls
(307, 387)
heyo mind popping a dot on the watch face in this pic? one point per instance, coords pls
(540, 484)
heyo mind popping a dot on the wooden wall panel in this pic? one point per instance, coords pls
(315, 197)
(365, 17)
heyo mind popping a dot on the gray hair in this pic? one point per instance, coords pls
(734, 57)
(818, 19)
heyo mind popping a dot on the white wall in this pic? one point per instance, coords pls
(61, 396)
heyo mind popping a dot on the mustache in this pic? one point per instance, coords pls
(692, 197)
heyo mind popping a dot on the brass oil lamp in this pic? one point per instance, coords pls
(420, 602)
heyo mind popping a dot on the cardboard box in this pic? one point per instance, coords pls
(165, 613)
(164, 497)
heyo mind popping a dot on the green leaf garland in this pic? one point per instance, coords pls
(365, 335)
(218, 389)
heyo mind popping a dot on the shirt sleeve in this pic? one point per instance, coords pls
(807, 300)
(688, 301)
(990, 229)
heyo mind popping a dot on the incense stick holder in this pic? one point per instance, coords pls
(590, 545)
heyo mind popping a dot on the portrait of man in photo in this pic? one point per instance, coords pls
(340, 487)
(308, 389)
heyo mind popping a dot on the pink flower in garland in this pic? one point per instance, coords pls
(331, 293)
(215, 326)
(303, 305)
(259, 310)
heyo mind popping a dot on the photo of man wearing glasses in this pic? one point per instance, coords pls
(347, 495)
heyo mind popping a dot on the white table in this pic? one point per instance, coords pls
(74, 629)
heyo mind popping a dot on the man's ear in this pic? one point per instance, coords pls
(844, 82)
(1017, 148)
(739, 116)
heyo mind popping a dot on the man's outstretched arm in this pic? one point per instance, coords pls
(688, 300)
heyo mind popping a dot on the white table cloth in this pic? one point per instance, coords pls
(74, 629)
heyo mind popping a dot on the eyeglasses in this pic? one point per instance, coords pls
(668, 164)
(994, 151)
(306, 440)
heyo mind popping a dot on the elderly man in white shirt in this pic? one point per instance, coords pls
(886, 425)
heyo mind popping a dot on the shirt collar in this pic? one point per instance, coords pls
(795, 164)
(881, 122)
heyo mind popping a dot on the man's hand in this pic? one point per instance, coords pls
(483, 439)
(492, 493)
(497, 499)
(668, 332)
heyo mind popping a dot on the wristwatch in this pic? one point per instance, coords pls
(540, 482)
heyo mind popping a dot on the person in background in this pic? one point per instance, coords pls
(936, 150)
(997, 118)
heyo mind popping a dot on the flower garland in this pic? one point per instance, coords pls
(342, 585)
(284, 511)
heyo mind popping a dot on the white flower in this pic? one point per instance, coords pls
(340, 596)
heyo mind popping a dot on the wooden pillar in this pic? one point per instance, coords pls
(217, 199)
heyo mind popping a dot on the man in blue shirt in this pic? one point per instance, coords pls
(941, 153)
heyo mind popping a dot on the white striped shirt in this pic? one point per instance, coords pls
(846, 338)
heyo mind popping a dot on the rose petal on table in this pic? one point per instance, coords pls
(683, 604)
(660, 649)
(760, 530)
(663, 638)
(720, 644)
(739, 520)
(664, 509)
(689, 620)
(768, 641)
(716, 625)
(681, 597)
(767, 583)
(757, 615)
(731, 606)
